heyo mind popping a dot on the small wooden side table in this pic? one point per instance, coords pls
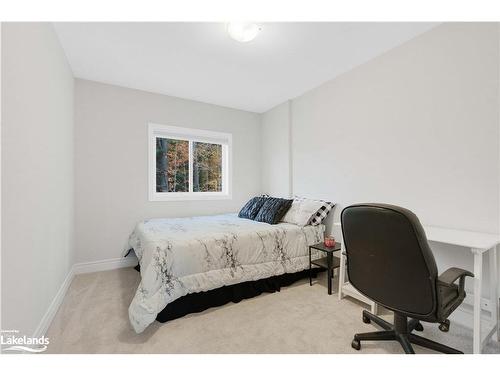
(328, 262)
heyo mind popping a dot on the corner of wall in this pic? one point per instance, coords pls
(290, 149)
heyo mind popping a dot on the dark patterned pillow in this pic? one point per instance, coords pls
(251, 208)
(273, 210)
(322, 213)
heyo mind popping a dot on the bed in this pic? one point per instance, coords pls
(184, 256)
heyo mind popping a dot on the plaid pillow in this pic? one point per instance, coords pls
(322, 213)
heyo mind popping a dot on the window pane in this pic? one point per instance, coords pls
(172, 165)
(207, 167)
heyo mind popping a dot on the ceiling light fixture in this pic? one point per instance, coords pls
(243, 31)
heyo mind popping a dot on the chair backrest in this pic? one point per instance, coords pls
(389, 259)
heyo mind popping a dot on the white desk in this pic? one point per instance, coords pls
(479, 244)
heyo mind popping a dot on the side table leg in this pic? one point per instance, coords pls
(310, 269)
(330, 271)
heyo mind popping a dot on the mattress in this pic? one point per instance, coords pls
(196, 254)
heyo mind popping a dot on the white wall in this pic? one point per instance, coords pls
(275, 141)
(37, 173)
(417, 126)
(112, 162)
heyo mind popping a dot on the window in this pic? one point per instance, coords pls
(187, 164)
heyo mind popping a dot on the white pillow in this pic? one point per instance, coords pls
(301, 211)
(292, 212)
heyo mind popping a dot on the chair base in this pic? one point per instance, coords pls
(401, 332)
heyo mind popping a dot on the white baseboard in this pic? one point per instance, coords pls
(79, 268)
(54, 306)
(105, 265)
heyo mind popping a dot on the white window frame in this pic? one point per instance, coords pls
(192, 135)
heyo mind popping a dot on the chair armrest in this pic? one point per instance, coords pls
(451, 275)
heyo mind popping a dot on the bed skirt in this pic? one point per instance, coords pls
(198, 302)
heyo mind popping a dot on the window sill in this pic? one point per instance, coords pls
(172, 197)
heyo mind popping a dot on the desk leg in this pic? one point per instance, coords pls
(341, 272)
(495, 314)
(478, 278)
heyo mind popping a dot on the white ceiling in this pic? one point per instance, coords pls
(199, 61)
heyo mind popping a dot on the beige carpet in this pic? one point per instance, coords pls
(299, 319)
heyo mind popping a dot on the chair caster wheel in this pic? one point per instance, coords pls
(356, 344)
(366, 319)
(419, 327)
(445, 326)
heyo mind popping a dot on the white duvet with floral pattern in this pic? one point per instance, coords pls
(195, 254)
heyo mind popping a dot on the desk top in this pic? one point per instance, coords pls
(465, 238)
(475, 240)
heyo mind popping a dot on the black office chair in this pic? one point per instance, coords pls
(390, 262)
